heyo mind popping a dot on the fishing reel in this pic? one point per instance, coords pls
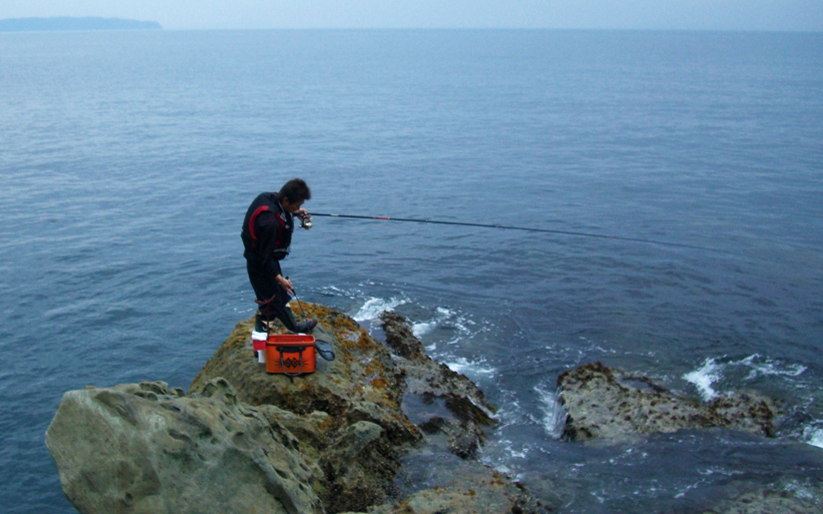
(305, 223)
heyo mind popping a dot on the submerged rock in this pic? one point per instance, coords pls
(778, 498)
(472, 490)
(609, 404)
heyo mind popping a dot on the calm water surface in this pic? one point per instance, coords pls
(128, 159)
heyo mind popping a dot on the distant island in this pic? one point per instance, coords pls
(66, 23)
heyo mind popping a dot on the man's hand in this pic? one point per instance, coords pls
(286, 284)
(302, 214)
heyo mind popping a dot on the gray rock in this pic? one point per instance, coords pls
(311, 430)
(612, 405)
(356, 468)
(437, 398)
(362, 385)
(467, 488)
(332, 441)
(142, 448)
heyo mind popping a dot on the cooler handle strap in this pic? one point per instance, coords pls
(291, 349)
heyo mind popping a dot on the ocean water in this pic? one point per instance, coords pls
(127, 160)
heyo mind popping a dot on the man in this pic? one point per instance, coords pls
(266, 234)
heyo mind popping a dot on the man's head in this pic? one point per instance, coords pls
(293, 194)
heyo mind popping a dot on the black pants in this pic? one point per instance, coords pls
(272, 298)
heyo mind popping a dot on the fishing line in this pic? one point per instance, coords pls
(524, 229)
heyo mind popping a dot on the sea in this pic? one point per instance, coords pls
(676, 179)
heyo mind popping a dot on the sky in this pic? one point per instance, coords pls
(771, 15)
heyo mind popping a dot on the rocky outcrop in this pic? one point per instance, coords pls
(609, 404)
(447, 402)
(146, 449)
(361, 433)
(357, 397)
(363, 383)
(244, 440)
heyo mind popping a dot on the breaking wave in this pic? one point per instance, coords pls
(704, 377)
(372, 308)
(713, 370)
(553, 414)
(715, 374)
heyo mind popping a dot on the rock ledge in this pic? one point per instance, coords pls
(610, 404)
(244, 440)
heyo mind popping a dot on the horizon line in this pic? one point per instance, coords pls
(394, 27)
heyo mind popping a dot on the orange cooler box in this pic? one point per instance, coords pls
(290, 354)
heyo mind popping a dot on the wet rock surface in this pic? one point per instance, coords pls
(346, 438)
(439, 399)
(613, 405)
(610, 406)
(382, 429)
(357, 399)
(779, 498)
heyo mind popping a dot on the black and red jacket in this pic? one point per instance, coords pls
(266, 234)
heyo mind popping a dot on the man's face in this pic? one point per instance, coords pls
(291, 207)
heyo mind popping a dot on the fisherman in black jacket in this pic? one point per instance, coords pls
(266, 234)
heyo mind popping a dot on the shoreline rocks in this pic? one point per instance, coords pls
(244, 440)
(438, 399)
(612, 405)
(382, 429)
(145, 448)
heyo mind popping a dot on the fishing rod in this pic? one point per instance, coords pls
(511, 227)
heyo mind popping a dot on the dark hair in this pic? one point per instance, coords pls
(294, 190)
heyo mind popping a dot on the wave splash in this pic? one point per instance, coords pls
(715, 372)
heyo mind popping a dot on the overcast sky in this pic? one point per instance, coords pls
(611, 14)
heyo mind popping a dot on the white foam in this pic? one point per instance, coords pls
(423, 328)
(717, 470)
(767, 366)
(554, 415)
(711, 371)
(685, 490)
(508, 445)
(445, 322)
(469, 368)
(374, 306)
(509, 413)
(704, 377)
(334, 291)
(799, 490)
(813, 436)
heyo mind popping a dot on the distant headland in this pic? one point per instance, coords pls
(66, 23)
